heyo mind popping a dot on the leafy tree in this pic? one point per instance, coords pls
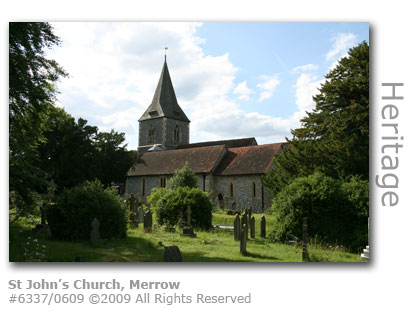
(184, 177)
(114, 159)
(334, 137)
(32, 93)
(75, 152)
(329, 205)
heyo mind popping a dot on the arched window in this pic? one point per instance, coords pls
(176, 133)
(143, 187)
(254, 190)
(231, 193)
(151, 135)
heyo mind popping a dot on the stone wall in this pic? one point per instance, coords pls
(242, 192)
(168, 128)
(143, 131)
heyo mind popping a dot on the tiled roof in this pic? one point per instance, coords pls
(200, 160)
(233, 143)
(164, 102)
(248, 160)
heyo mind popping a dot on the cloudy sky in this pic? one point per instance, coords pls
(233, 80)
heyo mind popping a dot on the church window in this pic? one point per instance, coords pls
(253, 190)
(176, 133)
(151, 135)
(231, 193)
(163, 182)
(143, 186)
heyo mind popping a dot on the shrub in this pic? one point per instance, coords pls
(331, 215)
(184, 177)
(70, 218)
(172, 205)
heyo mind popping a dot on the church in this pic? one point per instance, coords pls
(230, 171)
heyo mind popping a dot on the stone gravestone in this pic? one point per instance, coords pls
(243, 241)
(147, 221)
(233, 205)
(132, 202)
(252, 227)
(305, 256)
(245, 223)
(188, 229)
(263, 227)
(172, 254)
(140, 214)
(43, 216)
(95, 231)
(134, 220)
(237, 227)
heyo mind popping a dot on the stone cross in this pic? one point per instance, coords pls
(133, 219)
(243, 241)
(237, 227)
(147, 221)
(252, 227)
(188, 214)
(305, 256)
(263, 227)
(94, 231)
(132, 202)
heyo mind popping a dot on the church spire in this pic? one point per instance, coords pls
(164, 102)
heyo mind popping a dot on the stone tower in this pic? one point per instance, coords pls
(164, 125)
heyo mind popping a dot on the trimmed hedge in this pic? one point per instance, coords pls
(70, 218)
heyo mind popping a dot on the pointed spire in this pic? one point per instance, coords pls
(164, 102)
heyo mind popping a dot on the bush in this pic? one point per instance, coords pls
(172, 205)
(184, 177)
(331, 214)
(70, 218)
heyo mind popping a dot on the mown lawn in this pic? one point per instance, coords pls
(213, 246)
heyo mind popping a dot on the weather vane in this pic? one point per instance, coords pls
(166, 48)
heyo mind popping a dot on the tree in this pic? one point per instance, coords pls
(334, 137)
(184, 177)
(32, 93)
(114, 159)
(75, 152)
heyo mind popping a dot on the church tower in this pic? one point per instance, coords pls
(163, 124)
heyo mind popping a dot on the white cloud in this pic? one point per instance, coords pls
(340, 44)
(306, 67)
(268, 86)
(243, 91)
(114, 69)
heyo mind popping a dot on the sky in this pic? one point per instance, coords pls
(232, 79)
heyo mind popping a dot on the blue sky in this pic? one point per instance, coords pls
(233, 80)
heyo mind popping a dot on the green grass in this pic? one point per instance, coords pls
(212, 246)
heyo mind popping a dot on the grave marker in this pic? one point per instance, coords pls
(95, 231)
(263, 227)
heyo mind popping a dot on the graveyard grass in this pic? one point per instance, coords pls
(213, 246)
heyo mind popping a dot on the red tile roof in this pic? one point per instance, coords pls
(233, 143)
(248, 160)
(200, 160)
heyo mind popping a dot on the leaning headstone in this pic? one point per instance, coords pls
(172, 254)
(140, 214)
(252, 227)
(237, 227)
(305, 256)
(95, 231)
(188, 229)
(263, 227)
(243, 241)
(147, 221)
